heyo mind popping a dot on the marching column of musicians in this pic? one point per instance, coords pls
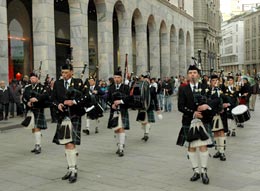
(206, 109)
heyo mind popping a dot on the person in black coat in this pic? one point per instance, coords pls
(193, 103)
(118, 97)
(69, 98)
(146, 117)
(95, 91)
(4, 100)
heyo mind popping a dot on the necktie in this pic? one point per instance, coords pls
(117, 86)
(66, 84)
(194, 89)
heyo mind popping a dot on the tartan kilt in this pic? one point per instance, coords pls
(76, 131)
(149, 116)
(39, 119)
(124, 116)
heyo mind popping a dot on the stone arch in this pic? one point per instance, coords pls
(188, 49)
(153, 47)
(19, 38)
(174, 58)
(92, 39)
(182, 52)
(139, 44)
(164, 51)
(119, 34)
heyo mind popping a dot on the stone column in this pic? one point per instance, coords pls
(154, 53)
(141, 49)
(44, 37)
(165, 55)
(174, 57)
(79, 34)
(105, 41)
(125, 42)
(3, 41)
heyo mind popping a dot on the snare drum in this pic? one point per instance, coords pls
(241, 113)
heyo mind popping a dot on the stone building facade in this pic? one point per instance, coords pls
(232, 45)
(157, 36)
(207, 30)
(252, 43)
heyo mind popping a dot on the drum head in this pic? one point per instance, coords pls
(240, 109)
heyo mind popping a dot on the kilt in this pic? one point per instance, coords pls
(76, 131)
(208, 129)
(39, 119)
(149, 116)
(124, 116)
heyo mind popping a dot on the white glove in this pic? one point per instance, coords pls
(126, 82)
(160, 117)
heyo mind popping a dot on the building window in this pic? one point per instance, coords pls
(247, 50)
(254, 26)
(181, 4)
(254, 49)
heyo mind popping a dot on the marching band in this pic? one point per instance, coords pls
(211, 111)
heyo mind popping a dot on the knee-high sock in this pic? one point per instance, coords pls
(121, 140)
(87, 123)
(216, 140)
(232, 124)
(193, 156)
(147, 128)
(38, 137)
(204, 160)
(71, 156)
(97, 121)
(222, 144)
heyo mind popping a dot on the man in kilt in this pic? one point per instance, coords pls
(118, 95)
(35, 98)
(196, 122)
(96, 92)
(145, 117)
(69, 99)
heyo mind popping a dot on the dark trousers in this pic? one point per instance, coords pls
(19, 108)
(4, 110)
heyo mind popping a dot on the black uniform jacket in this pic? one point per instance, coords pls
(187, 104)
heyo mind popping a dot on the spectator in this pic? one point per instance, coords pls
(16, 95)
(4, 100)
(254, 92)
(104, 89)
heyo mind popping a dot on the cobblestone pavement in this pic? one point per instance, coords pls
(155, 165)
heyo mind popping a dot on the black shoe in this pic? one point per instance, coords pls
(228, 133)
(217, 155)
(121, 153)
(35, 148)
(73, 177)
(86, 131)
(222, 157)
(205, 178)
(145, 138)
(233, 134)
(66, 176)
(195, 177)
(96, 130)
(117, 152)
(38, 149)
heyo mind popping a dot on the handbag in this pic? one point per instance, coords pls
(64, 131)
(29, 122)
(181, 138)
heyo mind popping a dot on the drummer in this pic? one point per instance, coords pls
(244, 94)
(145, 117)
(232, 95)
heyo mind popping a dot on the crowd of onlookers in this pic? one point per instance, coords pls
(11, 94)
